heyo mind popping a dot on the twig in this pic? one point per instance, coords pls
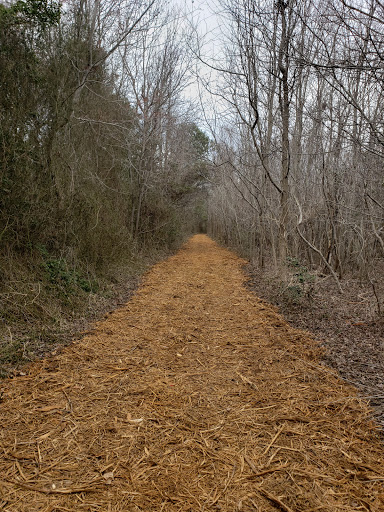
(266, 471)
(225, 487)
(277, 501)
(376, 296)
(251, 464)
(247, 381)
(69, 402)
(274, 439)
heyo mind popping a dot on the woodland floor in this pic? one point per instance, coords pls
(348, 326)
(195, 396)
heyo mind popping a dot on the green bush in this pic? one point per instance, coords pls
(11, 352)
(59, 274)
(303, 280)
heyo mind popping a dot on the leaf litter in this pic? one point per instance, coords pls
(195, 396)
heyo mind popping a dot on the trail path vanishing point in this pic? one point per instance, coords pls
(195, 396)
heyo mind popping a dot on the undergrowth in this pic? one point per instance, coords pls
(300, 285)
(47, 298)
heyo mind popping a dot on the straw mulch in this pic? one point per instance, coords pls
(195, 396)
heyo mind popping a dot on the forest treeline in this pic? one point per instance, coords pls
(301, 155)
(100, 158)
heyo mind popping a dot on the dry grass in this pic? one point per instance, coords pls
(195, 396)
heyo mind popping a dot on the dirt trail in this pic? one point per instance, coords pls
(195, 396)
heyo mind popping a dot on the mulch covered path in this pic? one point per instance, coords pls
(195, 396)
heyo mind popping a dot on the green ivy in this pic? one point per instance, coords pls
(60, 274)
(303, 281)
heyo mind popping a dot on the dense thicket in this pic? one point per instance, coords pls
(300, 168)
(99, 157)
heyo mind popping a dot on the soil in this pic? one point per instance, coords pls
(347, 325)
(194, 396)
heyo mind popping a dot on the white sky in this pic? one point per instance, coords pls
(205, 16)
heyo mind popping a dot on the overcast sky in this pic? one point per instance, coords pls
(203, 15)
